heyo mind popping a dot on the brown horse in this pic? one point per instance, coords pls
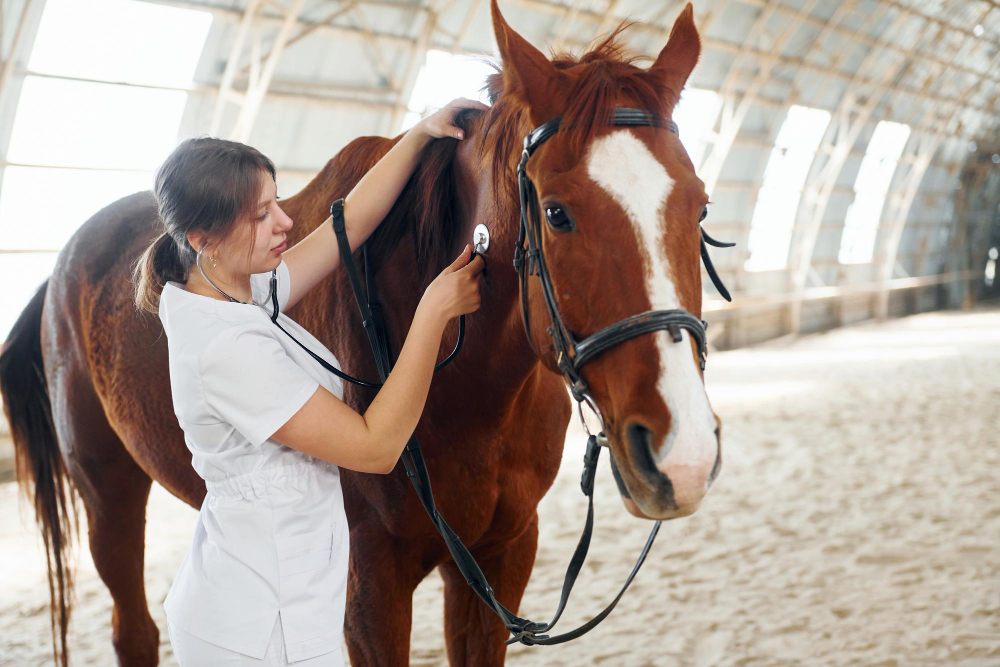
(84, 375)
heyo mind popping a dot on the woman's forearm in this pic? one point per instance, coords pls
(393, 414)
(313, 258)
(370, 200)
(316, 256)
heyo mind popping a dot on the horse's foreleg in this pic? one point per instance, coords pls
(380, 600)
(117, 523)
(474, 633)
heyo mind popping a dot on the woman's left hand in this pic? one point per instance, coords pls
(441, 123)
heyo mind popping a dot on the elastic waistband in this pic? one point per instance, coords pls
(254, 484)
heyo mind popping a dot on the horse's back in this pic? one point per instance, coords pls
(109, 239)
(102, 353)
(90, 294)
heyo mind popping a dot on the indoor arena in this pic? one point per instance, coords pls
(623, 332)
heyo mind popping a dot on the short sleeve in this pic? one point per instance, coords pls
(250, 382)
(261, 283)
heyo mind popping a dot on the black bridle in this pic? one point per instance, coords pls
(571, 355)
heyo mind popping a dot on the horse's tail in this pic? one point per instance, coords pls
(41, 473)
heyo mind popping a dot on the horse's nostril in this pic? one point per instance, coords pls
(641, 439)
(638, 434)
(718, 457)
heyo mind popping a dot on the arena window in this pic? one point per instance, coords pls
(443, 77)
(857, 244)
(695, 116)
(778, 200)
(89, 124)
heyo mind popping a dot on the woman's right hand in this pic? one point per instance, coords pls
(456, 289)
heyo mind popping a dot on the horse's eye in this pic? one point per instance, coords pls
(556, 216)
(704, 214)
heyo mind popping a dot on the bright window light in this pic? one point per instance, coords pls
(81, 124)
(695, 116)
(857, 245)
(784, 176)
(443, 77)
(120, 40)
(21, 274)
(41, 208)
(116, 134)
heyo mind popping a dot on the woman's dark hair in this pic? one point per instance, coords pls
(205, 184)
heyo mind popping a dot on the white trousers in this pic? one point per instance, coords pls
(191, 651)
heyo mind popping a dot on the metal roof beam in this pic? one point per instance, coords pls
(850, 118)
(417, 56)
(729, 47)
(903, 195)
(10, 58)
(259, 83)
(551, 7)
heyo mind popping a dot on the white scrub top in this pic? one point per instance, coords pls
(272, 535)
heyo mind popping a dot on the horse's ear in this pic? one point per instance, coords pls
(677, 59)
(527, 73)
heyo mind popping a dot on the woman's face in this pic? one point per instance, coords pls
(269, 239)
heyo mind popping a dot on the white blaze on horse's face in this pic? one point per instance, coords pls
(623, 166)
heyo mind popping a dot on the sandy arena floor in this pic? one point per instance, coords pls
(856, 521)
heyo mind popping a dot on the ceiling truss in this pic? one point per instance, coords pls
(957, 99)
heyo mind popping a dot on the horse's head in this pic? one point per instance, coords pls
(620, 208)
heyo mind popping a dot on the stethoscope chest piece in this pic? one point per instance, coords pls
(481, 239)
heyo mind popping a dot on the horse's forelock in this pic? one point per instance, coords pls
(606, 76)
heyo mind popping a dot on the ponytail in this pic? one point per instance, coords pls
(208, 185)
(159, 263)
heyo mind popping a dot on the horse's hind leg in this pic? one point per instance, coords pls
(114, 490)
(474, 633)
(117, 544)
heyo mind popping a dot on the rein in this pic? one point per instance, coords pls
(371, 317)
(571, 355)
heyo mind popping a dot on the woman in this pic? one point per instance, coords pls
(265, 579)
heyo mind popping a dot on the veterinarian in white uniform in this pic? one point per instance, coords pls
(265, 579)
(272, 528)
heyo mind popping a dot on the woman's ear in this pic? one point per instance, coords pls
(196, 239)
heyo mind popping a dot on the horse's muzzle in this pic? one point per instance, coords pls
(673, 475)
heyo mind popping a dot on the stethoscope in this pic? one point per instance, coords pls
(272, 295)
(481, 243)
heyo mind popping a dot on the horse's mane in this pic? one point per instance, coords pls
(427, 204)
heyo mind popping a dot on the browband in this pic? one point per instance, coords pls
(620, 118)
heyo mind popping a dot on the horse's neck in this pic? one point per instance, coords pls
(495, 337)
(498, 208)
